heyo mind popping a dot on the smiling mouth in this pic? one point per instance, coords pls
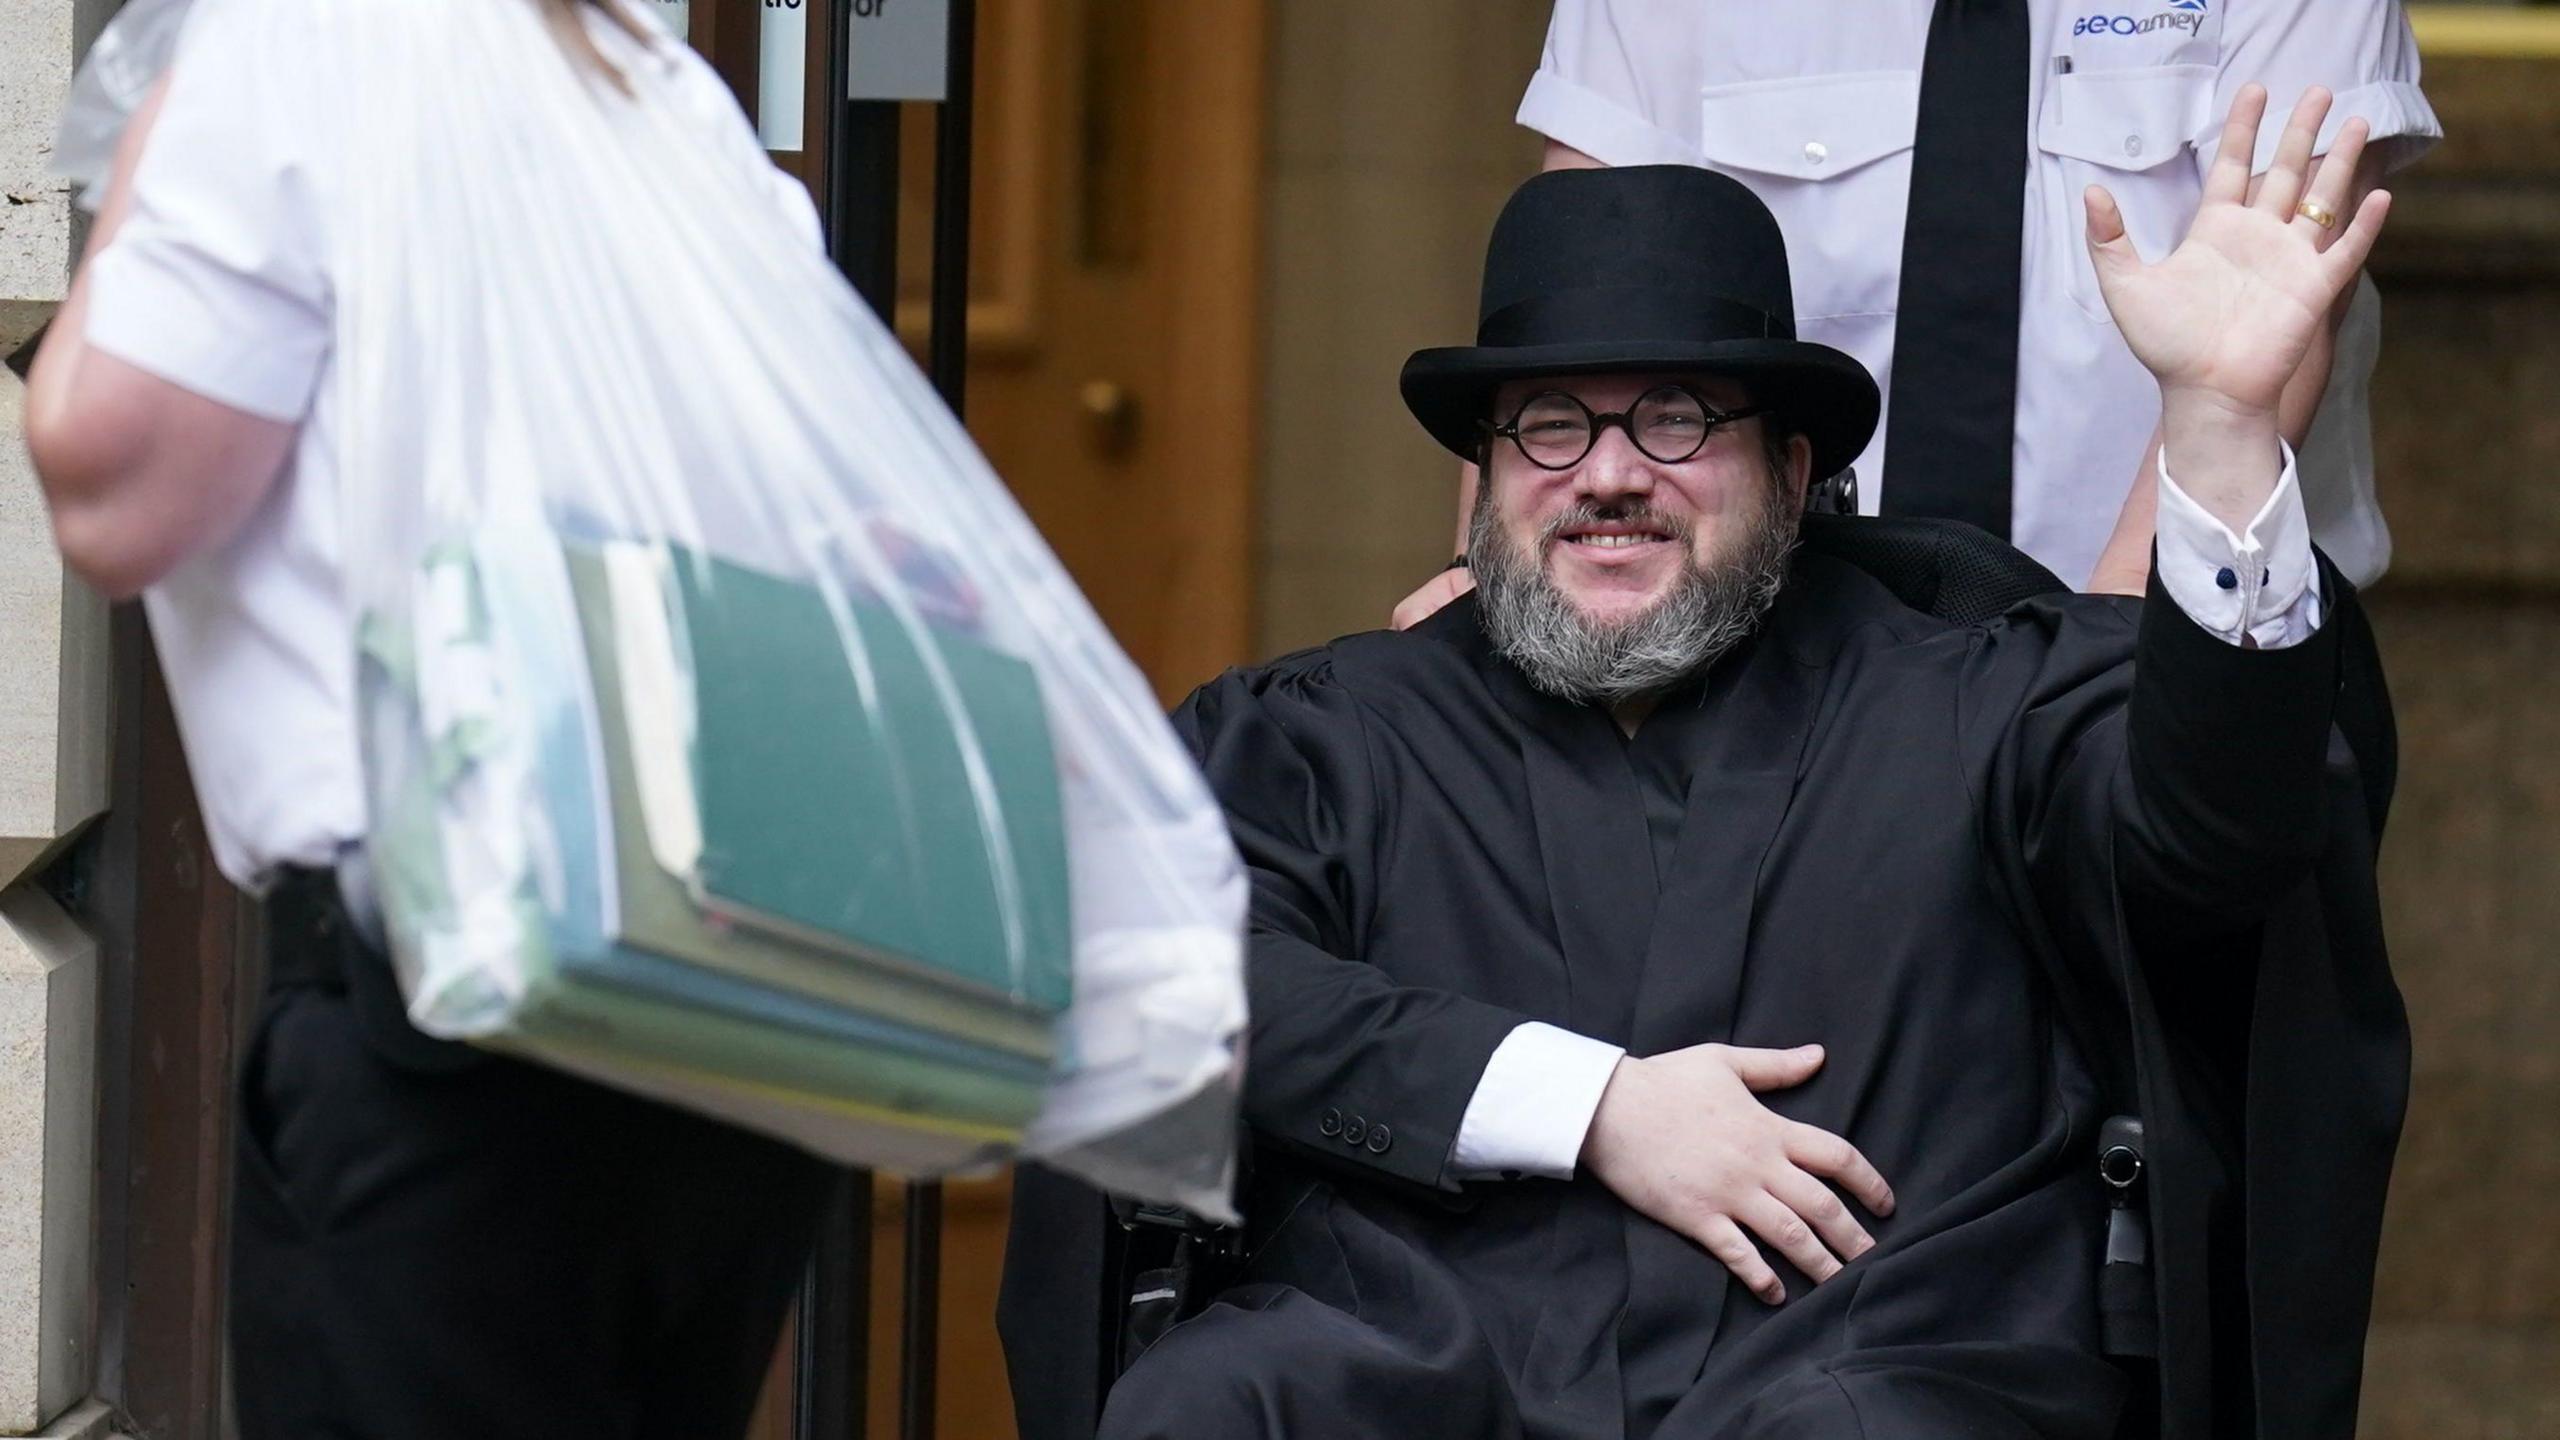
(1615, 542)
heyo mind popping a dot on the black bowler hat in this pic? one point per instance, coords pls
(1646, 267)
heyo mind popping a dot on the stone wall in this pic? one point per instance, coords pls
(1391, 149)
(2466, 1341)
(53, 748)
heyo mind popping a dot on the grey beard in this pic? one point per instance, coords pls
(1711, 609)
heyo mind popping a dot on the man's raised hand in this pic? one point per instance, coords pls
(2228, 316)
(1681, 1138)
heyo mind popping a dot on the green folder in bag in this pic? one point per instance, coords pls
(573, 991)
(922, 756)
(657, 910)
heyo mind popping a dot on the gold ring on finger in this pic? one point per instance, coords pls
(2318, 214)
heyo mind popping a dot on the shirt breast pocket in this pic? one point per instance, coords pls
(2131, 131)
(1831, 157)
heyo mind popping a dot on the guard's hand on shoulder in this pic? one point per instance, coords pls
(1434, 595)
(1682, 1138)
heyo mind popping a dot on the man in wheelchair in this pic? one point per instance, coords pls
(1689, 981)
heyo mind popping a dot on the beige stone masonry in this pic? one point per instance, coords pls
(88, 1420)
(54, 680)
(38, 42)
(48, 1104)
(54, 733)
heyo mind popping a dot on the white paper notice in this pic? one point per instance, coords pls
(782, 79)
(899, 49)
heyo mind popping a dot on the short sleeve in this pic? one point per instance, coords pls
(1618, 83)
(216, 281)
(2362, 50)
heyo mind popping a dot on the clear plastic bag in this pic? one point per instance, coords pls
(729, 733)
(114, 76)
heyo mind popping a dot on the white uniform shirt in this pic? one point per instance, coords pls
(216, 284)
(1813, 107)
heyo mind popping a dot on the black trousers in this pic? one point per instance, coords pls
(1268, 1362)
(429, 1241)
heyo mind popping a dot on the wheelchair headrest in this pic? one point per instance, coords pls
(1957, 572)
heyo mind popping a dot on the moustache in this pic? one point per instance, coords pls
(1616, 512)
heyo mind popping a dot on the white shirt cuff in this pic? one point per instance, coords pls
(1590, 122)
(2254, 588)
(1534, 1105)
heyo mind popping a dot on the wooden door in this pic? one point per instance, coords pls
(1114, 324)
(1114, 318)
(1114, 383)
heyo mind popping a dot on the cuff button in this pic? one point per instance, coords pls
(1354, 1130)
(2224, 578)
(1331, 1124)
(1379, 1139)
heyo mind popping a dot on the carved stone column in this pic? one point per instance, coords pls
(53, 782)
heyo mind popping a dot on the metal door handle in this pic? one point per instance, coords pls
(1113, 414)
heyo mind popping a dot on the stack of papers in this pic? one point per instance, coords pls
(800, 860)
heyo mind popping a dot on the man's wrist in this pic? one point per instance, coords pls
(2229, 454)
(1591, 1136)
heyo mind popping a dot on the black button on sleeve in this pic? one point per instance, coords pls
(1354, 1130)
(1379, 1139)
(1331, 1124)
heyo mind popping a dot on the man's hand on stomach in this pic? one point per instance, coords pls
(1683, 1139)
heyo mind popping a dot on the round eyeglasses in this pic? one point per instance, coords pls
(1668, 423)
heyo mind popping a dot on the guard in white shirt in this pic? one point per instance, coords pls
(1688, 983)
(429, 1241)
(1926, 158)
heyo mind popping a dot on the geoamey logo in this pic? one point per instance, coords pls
(2182, 15)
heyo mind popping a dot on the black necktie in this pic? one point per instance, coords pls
(1951, 424)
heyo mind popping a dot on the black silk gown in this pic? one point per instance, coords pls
(1867, 828)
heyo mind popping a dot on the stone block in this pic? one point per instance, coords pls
(2464, 429)
(2467, 1236)
(2469, 906)
(38, 39)
(89, 1420)
(55, 697)
(2532, 859)
(2461, 1382)
(2444, 909)
(1424, 90)
(1310, 598)
(48, 1105)
(2501, 117)
(1365, 270)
